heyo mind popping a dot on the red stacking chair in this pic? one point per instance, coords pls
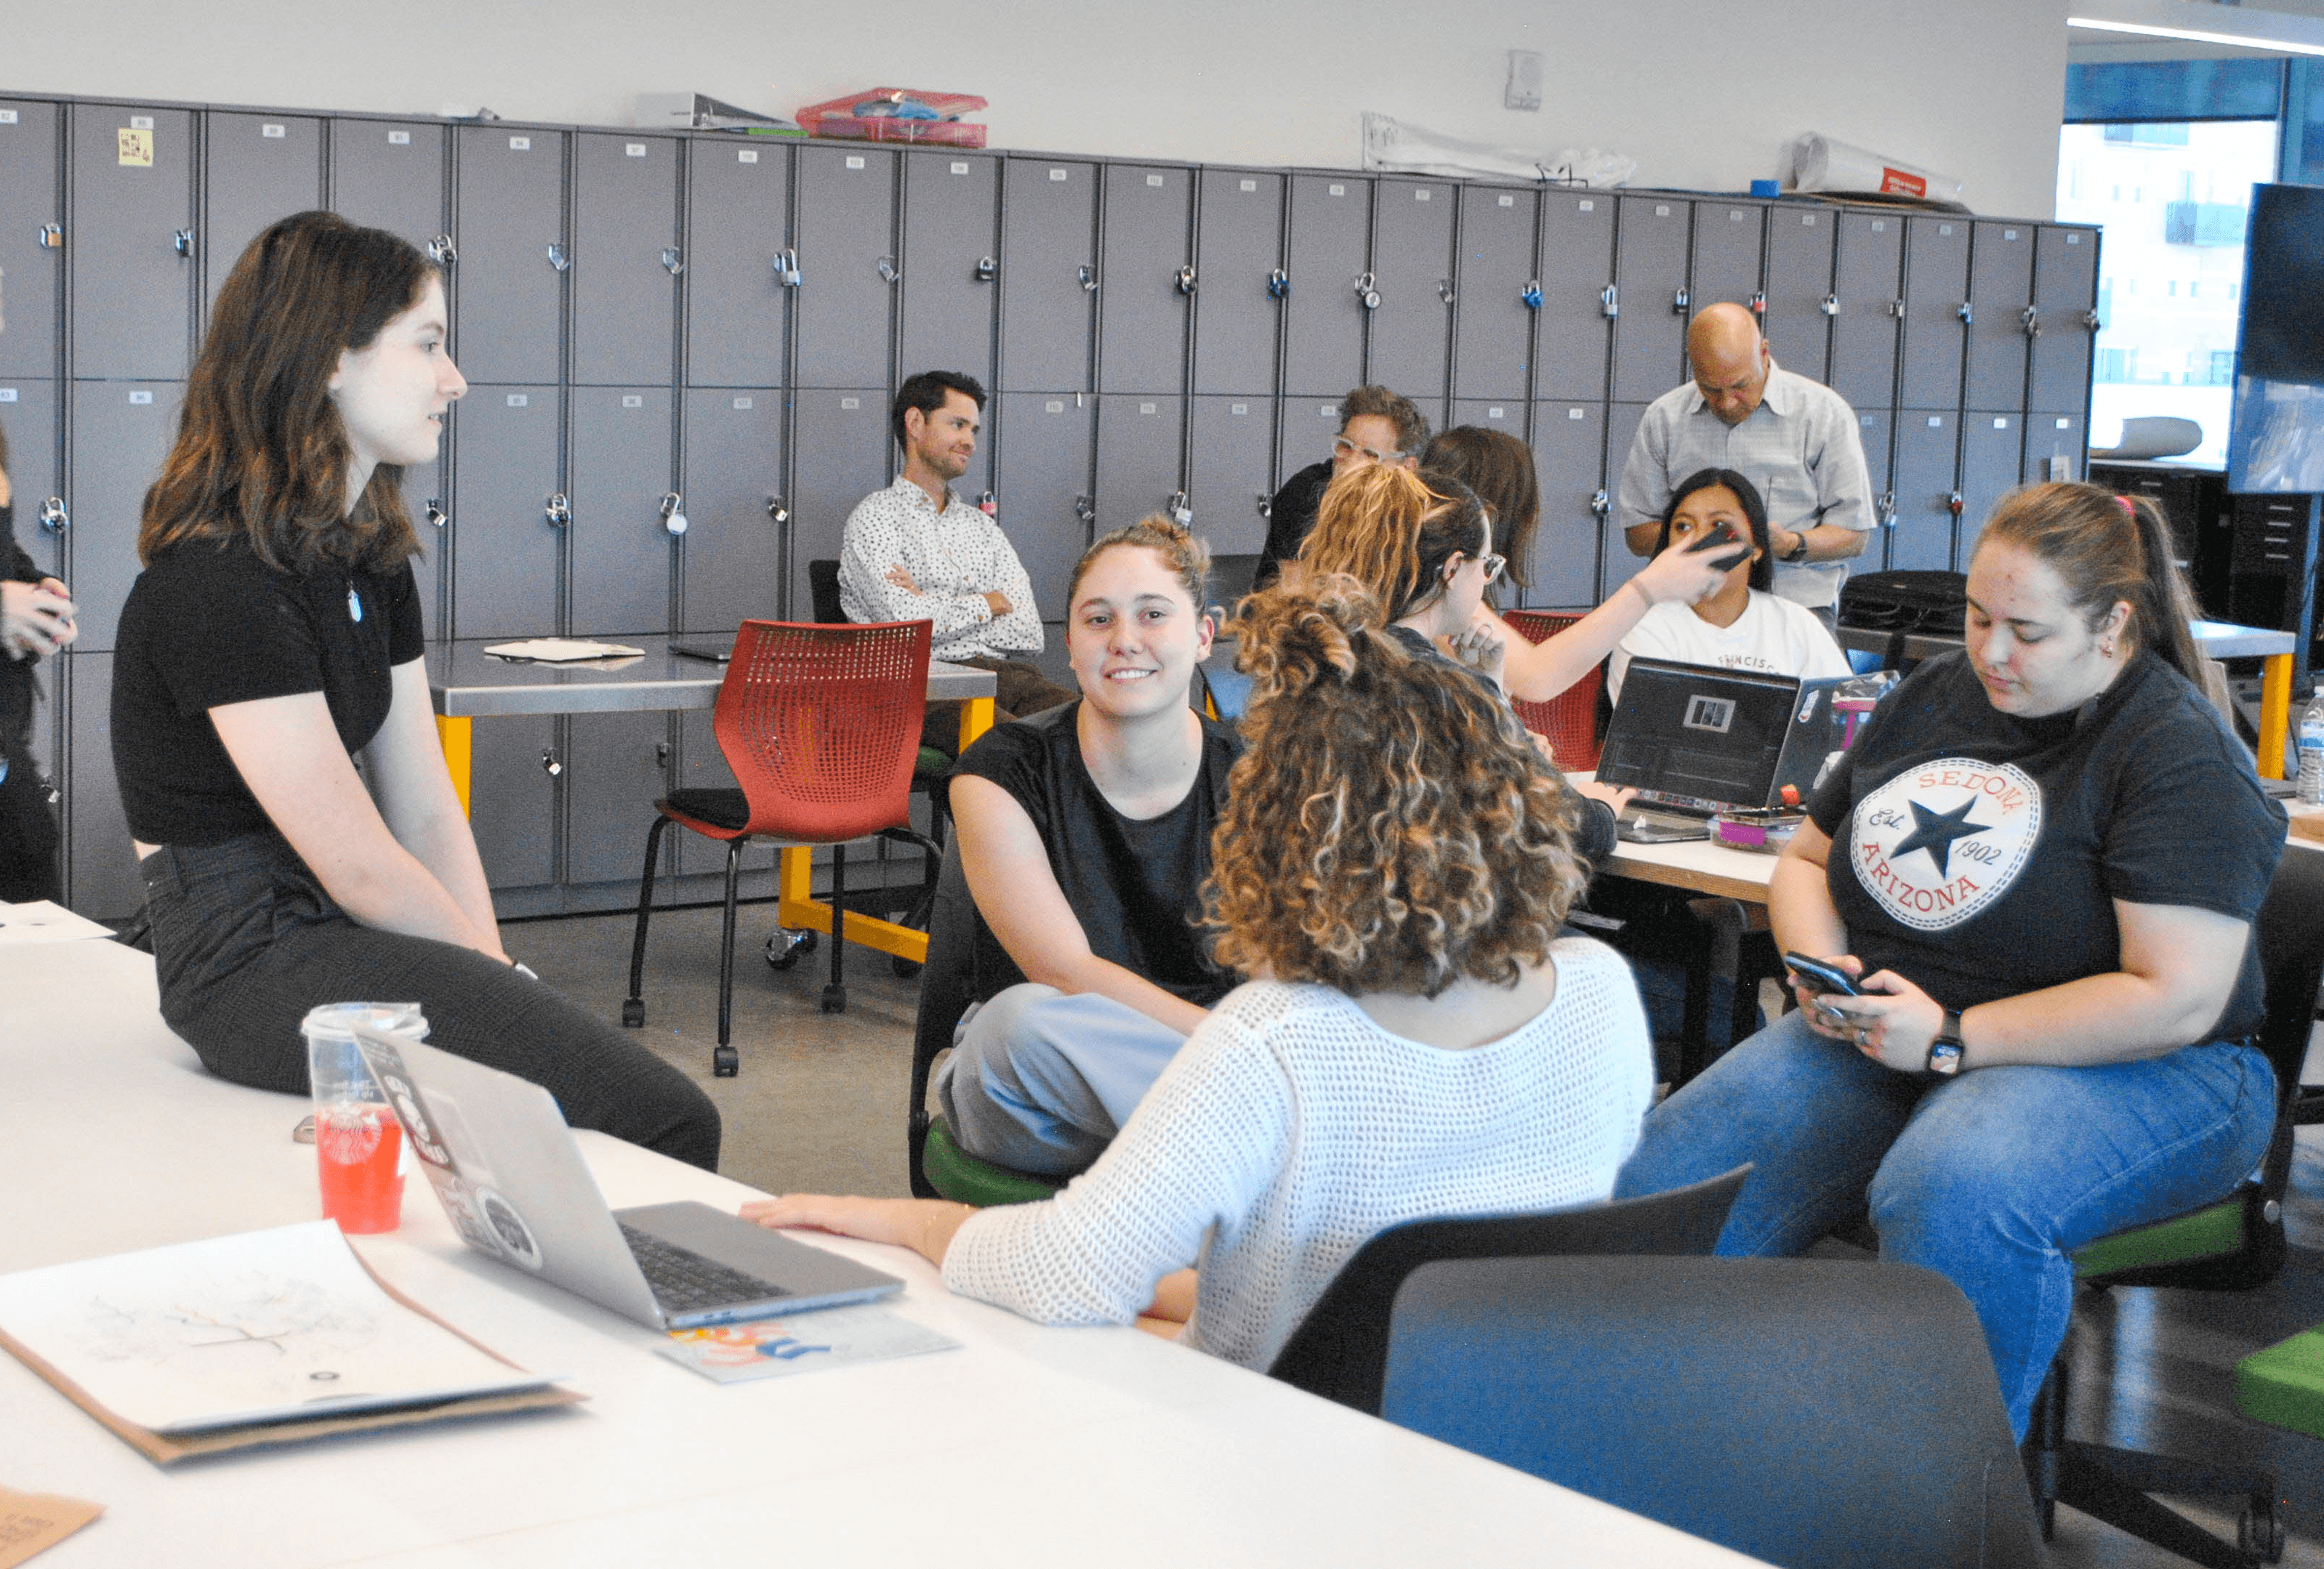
(1570, 719)
(821, 726)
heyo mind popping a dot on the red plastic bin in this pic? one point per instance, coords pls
(835, 118)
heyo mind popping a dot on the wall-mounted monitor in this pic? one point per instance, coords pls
(2275, 443)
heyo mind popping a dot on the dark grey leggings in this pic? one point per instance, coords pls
(246, 941)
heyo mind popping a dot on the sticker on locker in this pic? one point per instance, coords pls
(137, 149)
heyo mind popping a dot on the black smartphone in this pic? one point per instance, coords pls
(1720, 535)
(1816, 975)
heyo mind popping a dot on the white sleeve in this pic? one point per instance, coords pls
(872, 544)
(1203, 1144)
(1019, 631)
(1814, 652)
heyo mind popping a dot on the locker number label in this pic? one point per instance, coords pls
(960, 169)
(8, 116)
(1936, 422)
(1155, 181)
(1506, 201)
(520, 401)
(137, 149)
(851, 403)
(741, 403)
(140, 121)
(1585, 207)
(520, 144)
(1423, 193)
(2065, 424)
(141, 397)
(634, 149)
(1496, 412)
(1807, 220)
(746, 155)
(1736, 215)
(399, 139)
(2073, 239)
(1339, 190)
(1577, 414)
(1662, 210)
(7, 394)
(1146, 408)
(633, 400)
(1231, 409)
(1248, 184)
(1945, 229)
(1879, 225)
(1057, 174)
(854, 160)
(1054, 406)
(272, 132)
(2001, 425)
(2009, 234)
(1328, 411)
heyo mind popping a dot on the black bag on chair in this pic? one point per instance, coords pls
(1934, 602)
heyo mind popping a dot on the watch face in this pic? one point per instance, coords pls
(1944, 1057)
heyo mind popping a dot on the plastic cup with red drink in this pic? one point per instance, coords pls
(358, 1143)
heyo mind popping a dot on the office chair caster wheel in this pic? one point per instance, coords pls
(834, 999)
(725, 1062)
(785, 947)
(2260, 1531)
(633, 1013)
(905, 968)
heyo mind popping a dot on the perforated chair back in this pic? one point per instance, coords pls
(823, 588)
(1570, 719)
(1341, 1348)
(821, 725)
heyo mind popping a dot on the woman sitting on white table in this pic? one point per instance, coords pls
(1742, 625)
(1393, 856)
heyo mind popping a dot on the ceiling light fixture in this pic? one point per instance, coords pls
(2196, 35)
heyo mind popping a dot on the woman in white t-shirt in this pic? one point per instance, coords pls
(1741, 626)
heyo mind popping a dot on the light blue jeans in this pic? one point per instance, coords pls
(1992, 1179)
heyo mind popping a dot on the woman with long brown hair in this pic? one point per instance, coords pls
(1395, 861)
(273, 638)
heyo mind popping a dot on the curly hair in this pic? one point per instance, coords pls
(1388, 828)
(1393, 531)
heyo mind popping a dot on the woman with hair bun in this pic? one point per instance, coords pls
(2041, 862)
(1395, 862)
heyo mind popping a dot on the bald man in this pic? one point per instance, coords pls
(1794, 438)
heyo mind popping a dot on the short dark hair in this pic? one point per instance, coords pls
(1386, 403)
(1755, 513)
(926, 393)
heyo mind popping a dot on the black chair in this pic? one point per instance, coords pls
(1821, 1414)
(2231, 1246)
(1340, 1349)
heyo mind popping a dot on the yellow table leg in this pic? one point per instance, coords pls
(796, 907)
(2274, 715)
(975, 718)
(455, 735)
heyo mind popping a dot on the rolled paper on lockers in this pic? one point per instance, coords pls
(1819, 162)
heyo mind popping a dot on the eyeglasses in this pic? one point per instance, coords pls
(1342, 447)
(1493, 565)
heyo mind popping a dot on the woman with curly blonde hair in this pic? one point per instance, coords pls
(1395, 862)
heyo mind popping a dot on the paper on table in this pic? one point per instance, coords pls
(44, 921)
(562, 650)
(767, 1348)
(262, 1326)
(31, 1522)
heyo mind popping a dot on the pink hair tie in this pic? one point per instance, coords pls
(2129, 510)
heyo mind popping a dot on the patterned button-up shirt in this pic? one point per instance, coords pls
(954, 557)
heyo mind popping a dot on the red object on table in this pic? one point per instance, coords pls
(838, 118)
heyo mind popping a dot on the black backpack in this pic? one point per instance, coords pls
(1933, 603)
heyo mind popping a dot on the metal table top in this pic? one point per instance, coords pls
(463, 682)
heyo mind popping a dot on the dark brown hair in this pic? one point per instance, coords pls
(1393, 531)
(1755, 513)
(926, 392)
(1411, 425)
(261, 453)
(1500, 468)
(1390, 828)
(2110, 549)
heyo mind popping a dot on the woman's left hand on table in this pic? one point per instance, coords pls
(1895, 1023)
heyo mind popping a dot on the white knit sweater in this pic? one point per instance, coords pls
(1291, 1129)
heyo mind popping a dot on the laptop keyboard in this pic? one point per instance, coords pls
(684, 1281)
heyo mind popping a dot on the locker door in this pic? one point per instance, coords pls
(1877, 430)
(625, 259)
(423, 485)
(1799, 281)
(619, 765)
(1991, 447)
(1048, 274)
(1568, 446)
(505, 551)
(1236, 317)
(624, 557)
(841, 458)
(101, 880)
(2057, 447)
(1577, 268)
(1412, 267)
(2065, 292)
(846, 231)
(1137, 459)
(1494, 324)
(1045, 487)
(1309, 427)
(1650, 268)
(737, 221)
(28, 416)
(131, 232)
(2001, 287)
(1620, 565)
(733, 549)
(952, 228)
(390, 176)
(1233, 469)
(1921, 536)
(512, 804)
(1728, 238)
(1867, 282)
(256, 169)
(1505, 417)
(508, 313)
(121, 432)
(1142, 311)
(1936, 286)
(1329, 246)
(28, 195)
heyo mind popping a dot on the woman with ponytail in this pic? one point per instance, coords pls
(2041, 861)
(1395, 861)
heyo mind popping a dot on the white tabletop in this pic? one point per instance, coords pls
(1025, 1446)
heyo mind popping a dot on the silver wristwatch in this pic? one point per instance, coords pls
(1945, 1051)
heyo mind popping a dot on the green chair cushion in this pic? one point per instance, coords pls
(964, 1178)
(2212, 1232)
(2285, 1384)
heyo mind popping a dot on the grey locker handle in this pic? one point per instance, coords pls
(557, 510)
(1884, 509)
(673, 260)
(673, 513)
(548, 763)
(887, 269)
(1186, 278)
(442, 252)
(1966, 311)
(1366, 295)
(1832, 305)
(1266, 505)
(1602, 504)
(987, 270)
(53, 516)
(1085, 509)
(778, 512)
(2090, 321)
(661, 753)
(1445, 289)
(1611, 300)
(1088, 275)
(1278, 284)
(558, 258)
(1179, 510)
(786, 268)
(437, 515)
(182, 242)
(1897, 308)
(1531, 294)
(1760, 302)
(52, 236)
(1679, 298)
(2033, 319)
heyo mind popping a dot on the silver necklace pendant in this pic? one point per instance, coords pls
(355, 604)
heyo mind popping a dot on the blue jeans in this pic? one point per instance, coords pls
(1992, 1179)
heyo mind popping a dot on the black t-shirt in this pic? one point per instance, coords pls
(1979, 855)
(1290, 518)
(209, 625)
(1134, 886)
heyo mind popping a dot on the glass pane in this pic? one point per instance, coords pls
(2172, 200)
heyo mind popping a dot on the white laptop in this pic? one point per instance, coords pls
(508, 1173)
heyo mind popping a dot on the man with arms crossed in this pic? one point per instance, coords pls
(917, 551)
(1795, 439)
(1376, 427)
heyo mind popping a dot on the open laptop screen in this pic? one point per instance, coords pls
(1689, 735)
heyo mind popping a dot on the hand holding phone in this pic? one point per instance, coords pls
(1815, 976)
(1720, 535)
